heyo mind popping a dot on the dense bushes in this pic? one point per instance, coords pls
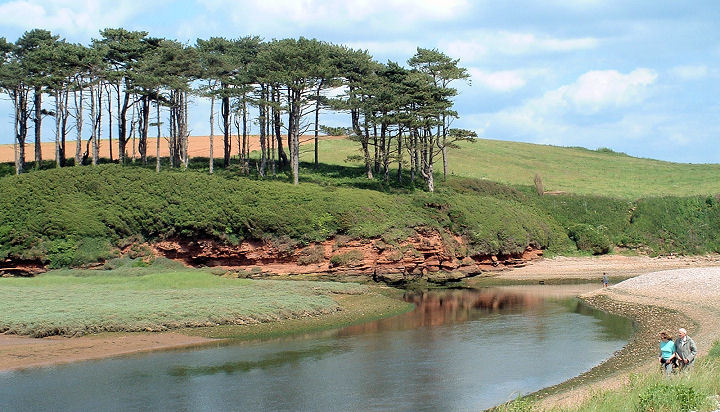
(71, 216)
(589, 238)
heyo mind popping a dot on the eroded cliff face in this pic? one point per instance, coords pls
(423, 256)
(10, 267)
(428, 255)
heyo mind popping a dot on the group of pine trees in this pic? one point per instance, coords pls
(398, 115)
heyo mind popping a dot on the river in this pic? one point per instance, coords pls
(458, 350)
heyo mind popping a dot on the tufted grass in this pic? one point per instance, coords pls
(77, 302)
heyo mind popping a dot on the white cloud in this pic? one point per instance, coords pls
(552, 117)
(597, 90)
(504, 80)
(75, 17)
(388, 14)
(478, 44)
(385, 48)
(690, 72)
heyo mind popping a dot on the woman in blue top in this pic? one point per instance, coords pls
(667, 353)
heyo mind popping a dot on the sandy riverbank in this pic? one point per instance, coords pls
(19, 352)
(657, 301)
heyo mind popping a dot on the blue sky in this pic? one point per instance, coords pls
(640, 77)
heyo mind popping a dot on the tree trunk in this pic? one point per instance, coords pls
(366, 152)
(37, 101)
(262, 108)
(93, 135)
(110, 126)
(20, 102)
(317, 119)
(142, 145)
(122, 123)
(444, 147)
(157, 142)
(212, 132)
(400, 156)
(58, 110)
(225, 109)
(78, 125)
(294, 135)
(271, 138)
(385, 157)
(185, 132)
(278, 132)
(376, 158)
(430, 178)
(244, 150)
(64, 96)
(416, 149)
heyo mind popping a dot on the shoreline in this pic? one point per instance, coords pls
(651, 311)
(22, 352)
(655, 301)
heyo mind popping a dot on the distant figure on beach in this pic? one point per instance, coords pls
(667, 353)
(605, 280)
(685, 349)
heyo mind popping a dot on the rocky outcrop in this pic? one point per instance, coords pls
(22, 268)
(429, 256)
(423, 256)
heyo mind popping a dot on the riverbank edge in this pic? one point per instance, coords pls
(639, 352)
(20, 352)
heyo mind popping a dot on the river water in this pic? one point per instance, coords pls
(458, 350)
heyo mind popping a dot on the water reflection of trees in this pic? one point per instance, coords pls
(433, 308)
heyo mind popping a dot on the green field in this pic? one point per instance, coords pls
(574, 170)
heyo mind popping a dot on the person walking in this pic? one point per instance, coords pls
(667, 353)
(605, 280)
(685, 349)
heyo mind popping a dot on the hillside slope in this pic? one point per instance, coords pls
(77, 215)
(572, 170)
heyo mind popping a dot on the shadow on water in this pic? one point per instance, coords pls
(445, 307)
(435, 308)
(276, 360)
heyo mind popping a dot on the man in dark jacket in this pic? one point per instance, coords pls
(685, 349)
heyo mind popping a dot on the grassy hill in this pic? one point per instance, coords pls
(574, 170)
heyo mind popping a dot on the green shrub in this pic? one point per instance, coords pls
(394, 254)
(664, 396)
(311, 255)
(91, 250)
(348, 258)
(589, 238)
(61, 252)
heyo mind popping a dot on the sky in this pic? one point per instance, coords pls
(639, 77)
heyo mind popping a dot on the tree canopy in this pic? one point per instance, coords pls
(398, 114)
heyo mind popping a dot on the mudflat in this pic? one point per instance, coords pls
(19, 352)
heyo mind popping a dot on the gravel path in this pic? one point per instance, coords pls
(695, 284)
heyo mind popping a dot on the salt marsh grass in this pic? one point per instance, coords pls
(77, 302)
